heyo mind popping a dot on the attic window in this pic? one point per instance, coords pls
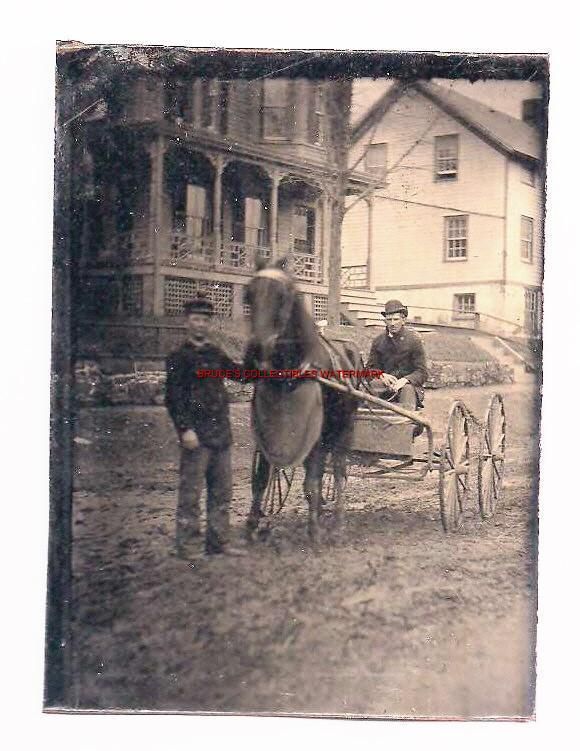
(376, 159)
(532, 111)
(446, 157)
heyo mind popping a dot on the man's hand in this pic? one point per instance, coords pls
(400, 383)
(189, 440)
(389, 380)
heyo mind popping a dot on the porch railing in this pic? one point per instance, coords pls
(130, 247)
(306, 266)
(185, 249)
(178, 248)
(240, 256)
(354, 277)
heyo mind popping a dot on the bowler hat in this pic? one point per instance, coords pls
(200, 304)
(394, 306)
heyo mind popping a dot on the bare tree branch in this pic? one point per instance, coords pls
(413, 146)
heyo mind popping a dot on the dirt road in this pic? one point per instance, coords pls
(397, 620)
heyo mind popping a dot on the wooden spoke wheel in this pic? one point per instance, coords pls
(276, 487)
(492, 458)
(454, 468)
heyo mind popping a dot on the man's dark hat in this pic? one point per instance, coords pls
(395, 306)
(200, 304)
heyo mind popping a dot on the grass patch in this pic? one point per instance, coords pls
(439, 346)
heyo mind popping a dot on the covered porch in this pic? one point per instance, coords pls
(172, 207)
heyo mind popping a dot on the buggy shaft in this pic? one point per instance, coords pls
(373, 400)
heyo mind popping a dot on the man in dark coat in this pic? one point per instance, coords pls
(400, 354)
(199, 409)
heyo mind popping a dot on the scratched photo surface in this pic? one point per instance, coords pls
(297, 352)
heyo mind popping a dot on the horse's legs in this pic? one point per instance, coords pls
(314, 467)
(339, 470)
(259, 483)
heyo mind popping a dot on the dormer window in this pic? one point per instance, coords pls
(275, 121)
(446, 157)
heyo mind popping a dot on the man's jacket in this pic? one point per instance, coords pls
(200, 404)
(403, 356)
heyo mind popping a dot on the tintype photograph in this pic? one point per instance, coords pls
(297, 358)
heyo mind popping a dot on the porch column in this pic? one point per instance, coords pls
(325, 254)
(218, 163)
(273, 228)
(370, 205)
(157, 153)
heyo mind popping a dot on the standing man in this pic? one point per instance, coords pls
(400, 354)
(199, 409)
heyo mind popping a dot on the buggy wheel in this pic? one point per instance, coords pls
(276, 488)
(454, 469)
(492, 458)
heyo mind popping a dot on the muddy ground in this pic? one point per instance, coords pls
(399, 619)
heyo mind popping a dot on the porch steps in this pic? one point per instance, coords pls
(361, 306)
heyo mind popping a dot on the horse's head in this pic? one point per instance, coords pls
(271, 296)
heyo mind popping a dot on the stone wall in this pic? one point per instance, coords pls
(144, 383)
(442, 373)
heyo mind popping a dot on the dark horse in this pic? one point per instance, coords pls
(296, 420)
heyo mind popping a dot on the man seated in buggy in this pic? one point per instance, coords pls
(400, 354)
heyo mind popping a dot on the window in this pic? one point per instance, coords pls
(274, 109)
(303, 229)
(532, 314)
(528, 175)
(223, 105)
(532, 111)
(317, 114)
(455, 238)
(255, 220)
(213, 103)
(464, 305)
(132, 295)
(527, 238)
(177, 100)
(446, 157)
(376, 158)
(209, 102)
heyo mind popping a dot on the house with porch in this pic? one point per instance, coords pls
(455, 225)
(187, 182)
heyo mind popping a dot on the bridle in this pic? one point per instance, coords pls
(279, 276)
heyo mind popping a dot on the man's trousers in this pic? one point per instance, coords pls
(211, 468)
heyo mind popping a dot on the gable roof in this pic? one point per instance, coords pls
(506, 133)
